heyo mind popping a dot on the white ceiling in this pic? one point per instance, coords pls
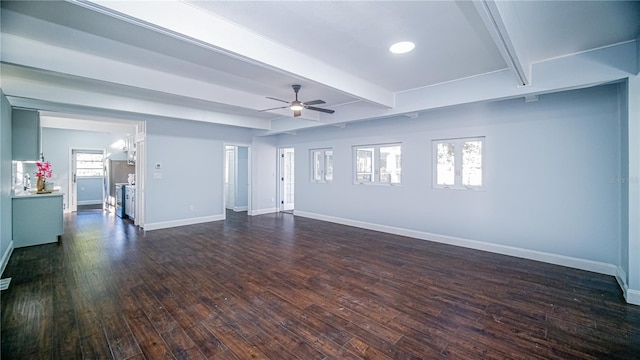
(217, 61)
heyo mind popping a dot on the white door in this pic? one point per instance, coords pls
(229, 177)
(286, 179)
(73, 182)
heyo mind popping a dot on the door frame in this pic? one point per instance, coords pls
(281, 206)
(249, 174)
(141, 174)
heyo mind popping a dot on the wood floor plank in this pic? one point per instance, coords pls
(238, 345)
(150, 342)
(277, 286)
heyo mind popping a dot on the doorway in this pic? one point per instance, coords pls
(237, 175)
(287, 179)
(87, 178)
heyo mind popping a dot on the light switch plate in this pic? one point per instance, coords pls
(157, 176)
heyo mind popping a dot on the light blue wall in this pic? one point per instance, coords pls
(57, 145)
(242, 181)
(90, 190)
(548, 167)
(5, 174)
(191, 155)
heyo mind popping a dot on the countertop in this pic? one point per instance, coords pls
(24, 195)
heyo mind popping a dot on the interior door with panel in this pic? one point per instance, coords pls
(287, 179)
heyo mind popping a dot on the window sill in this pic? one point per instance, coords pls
(463, 188)
(377, 184)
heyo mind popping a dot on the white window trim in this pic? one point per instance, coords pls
(323, 165)
(376, 164)
(458, 163)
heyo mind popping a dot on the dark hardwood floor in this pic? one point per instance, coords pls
(284, 287)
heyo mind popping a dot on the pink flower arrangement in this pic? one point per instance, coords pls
(44, 169)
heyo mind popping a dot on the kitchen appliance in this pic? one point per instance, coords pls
(116, 173)
(120, 199)
(130, 201)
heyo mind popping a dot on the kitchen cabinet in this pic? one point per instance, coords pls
(130, 149)
(37, 219)
(130, 201)
(25, 132)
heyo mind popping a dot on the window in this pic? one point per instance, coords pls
(322, 160)
(458, 163)
(377, 164)
(89, 164)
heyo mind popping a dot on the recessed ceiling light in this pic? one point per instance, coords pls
(402, 47)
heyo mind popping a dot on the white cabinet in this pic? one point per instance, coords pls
(25, 133)
(130, 149)
(130, 201)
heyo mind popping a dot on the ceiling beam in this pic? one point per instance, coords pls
(51, 96)
(28, 53)
(505, 31)
(215, 33)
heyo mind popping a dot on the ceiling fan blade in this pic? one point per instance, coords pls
(281, 107)
(321, 109)
(272, 98)
(314, 102)
(297, 113)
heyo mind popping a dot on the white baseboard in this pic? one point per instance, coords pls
(577, 263)
(621, 277)
(182, 222)
(90, 202)
(239, 208)
(263, 211)
(5, 257)
(632, 296)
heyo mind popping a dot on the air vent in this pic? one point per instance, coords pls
(4, 283)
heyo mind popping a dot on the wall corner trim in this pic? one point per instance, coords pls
(182, 222)
(572, 262)
(5, 257)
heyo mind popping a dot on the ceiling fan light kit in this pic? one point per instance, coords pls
(297, 106)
